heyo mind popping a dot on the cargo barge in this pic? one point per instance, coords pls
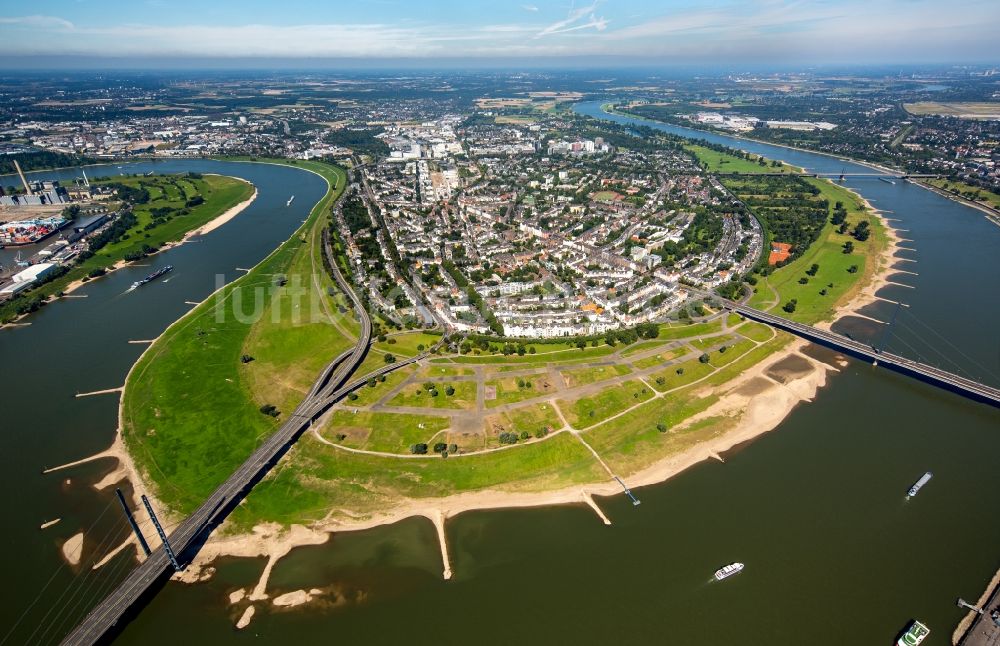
(918, 485)
(153, 276)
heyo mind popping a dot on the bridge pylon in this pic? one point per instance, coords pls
(131, 521)
(163, 535)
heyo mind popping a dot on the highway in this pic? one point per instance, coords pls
(930, 374)
(190, 534)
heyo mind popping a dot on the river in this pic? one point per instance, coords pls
(834, 555)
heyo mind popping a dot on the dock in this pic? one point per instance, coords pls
(985, 627)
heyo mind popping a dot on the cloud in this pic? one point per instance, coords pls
(37, 21)
(572, 21)
(744, 31)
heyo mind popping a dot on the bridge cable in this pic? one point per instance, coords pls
(83, 584)
(104, 579)
(957, 367)
(80, 585)
(62, 566)
(916, 354)
(955, 348)
(112, 577)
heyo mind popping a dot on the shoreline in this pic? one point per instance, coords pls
(872, 165)
(992, 214)
(209, 226)
(126, 469)
(971, 616)
(753, 415)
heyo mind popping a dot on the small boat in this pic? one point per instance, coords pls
(887, 180)
(153, 276)
(728, 571)
(915, 633)
(918, 485)
(289, 202)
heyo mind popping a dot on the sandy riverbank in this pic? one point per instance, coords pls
(886, 265)
(753, 403)
(752, 408)
(222, 218)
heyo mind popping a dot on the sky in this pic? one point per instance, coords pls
(482, 32)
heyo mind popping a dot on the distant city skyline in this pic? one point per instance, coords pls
(476, 33)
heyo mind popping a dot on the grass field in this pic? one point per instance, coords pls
(385, 432)
(417, 395)
(679, 374)
(676, 331)
(719, 162)
(366, 395)
(589, 410)
(657, 359)
(165, 192)
(827, 252)
(408, 344)
(437, 370)
(324, 481)
(189, 411)
(756, 331)
(514, 389)
(583, 376)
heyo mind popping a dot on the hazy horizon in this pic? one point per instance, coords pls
(76, 34)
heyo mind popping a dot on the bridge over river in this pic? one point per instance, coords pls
(328, 389)
(929, 374)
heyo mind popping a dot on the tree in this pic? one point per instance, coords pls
(790, 306)
(440, 447)
(853, 269)
(449, 390)
(703, 358)
(372, 383)
(418, 449)
(661, 427)
(862, 231)
(270, 409)
(812, 270)
(848, 247)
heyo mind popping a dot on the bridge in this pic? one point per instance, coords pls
(926, 373)
(187, 538)
(875, 174)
